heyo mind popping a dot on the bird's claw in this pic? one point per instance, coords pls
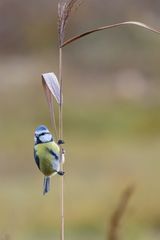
(61, 173)
(60, 142)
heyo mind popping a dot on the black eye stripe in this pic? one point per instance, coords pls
(42, 134)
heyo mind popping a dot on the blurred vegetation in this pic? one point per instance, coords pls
(111, 120)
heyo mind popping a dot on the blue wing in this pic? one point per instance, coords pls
(36, 158)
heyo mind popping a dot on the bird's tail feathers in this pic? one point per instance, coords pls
(46, 185)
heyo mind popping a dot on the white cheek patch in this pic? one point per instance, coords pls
(45, 138)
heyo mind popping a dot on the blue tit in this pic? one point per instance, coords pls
(46, 155)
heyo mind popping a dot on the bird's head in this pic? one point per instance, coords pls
(42, 135)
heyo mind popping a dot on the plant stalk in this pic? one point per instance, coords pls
(61, 137)
(108, 27)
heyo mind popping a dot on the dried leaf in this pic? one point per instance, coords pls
(50, 82)
(108, 27)
(51, 89)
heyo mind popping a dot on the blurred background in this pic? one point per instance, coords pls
(111, 120)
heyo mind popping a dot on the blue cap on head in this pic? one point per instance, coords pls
(41, 129)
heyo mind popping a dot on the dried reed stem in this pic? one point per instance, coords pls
(108, 27)
(65, 8)
(61, 137)
(119, 212)
(61, 96)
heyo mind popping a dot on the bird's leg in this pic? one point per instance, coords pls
(60, 142)
(61, 173)
(62, 160)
